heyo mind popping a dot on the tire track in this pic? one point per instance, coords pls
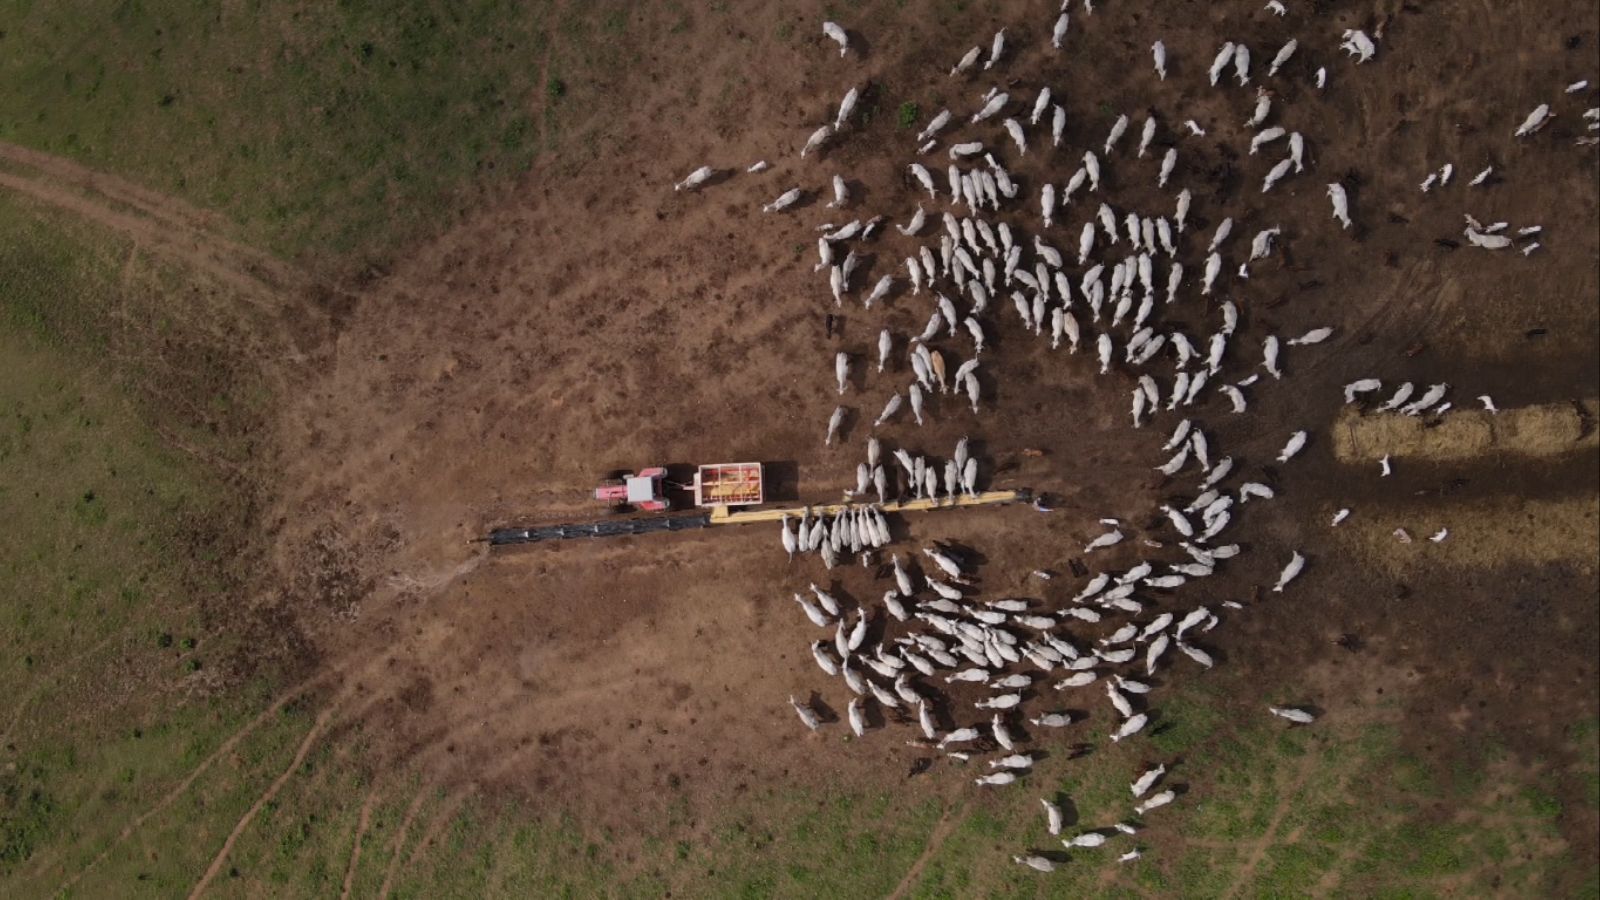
(441, 819)
(400, 839)
(189, 248)
(226, 748)
(187, 236)
(41, 683)
(362, 823)
(153, 220)
(310, 740)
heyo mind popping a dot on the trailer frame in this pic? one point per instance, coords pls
(721, 485)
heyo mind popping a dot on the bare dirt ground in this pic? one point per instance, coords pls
(594, 319)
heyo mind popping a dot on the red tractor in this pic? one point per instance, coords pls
(627, 490)
(714, 485)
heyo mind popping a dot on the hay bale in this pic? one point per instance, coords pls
(1531, 431)
(1538, 430)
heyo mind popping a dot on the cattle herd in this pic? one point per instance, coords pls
(966, 674)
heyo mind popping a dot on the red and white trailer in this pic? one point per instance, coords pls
(728, 484)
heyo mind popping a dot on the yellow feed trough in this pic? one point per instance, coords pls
(722, 515)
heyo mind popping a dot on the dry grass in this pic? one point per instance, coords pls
(1546, 430)
(1484, 534)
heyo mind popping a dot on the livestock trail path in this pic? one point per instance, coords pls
(948, 820)
(1258, 848)
(155, 222)
(290, 306)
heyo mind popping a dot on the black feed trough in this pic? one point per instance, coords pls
(601, 528)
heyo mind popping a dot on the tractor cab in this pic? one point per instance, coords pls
(643, 490)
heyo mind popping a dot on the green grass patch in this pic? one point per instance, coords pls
(327, 129)
(103, 710)
(1585, 735)
(1185, 720)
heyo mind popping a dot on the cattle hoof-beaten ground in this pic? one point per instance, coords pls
(298, 305)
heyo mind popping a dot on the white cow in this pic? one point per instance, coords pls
(834, 421)
(695, 179)
(1156, 801)
(1290, 572)
(785, 200)
(1341, 203)
(817, 140)
(808, 716)
(838, 36)
(1130, 726)
(1147, 780)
